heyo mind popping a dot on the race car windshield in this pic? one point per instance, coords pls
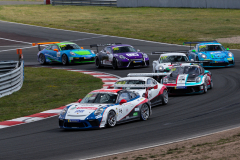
(204, 48)
(130, 82)
(123, 49)
(192, 70)
(100, 98)
(169, 59)
(69, 47)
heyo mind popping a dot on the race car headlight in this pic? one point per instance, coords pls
(122, 57)
(230, 54)
(64, 111)
(98, 111)
(165, 80)
(92, 52)
(198, 79)
(145, 55)
(204, 56)
(73, 54)
(161, 68)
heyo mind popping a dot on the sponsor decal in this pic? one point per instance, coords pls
(230, 59)
(203, 46)
(163, 57)
(180, 87)
(136, 109)
(126, 110)
(79, 111)
(99, 116)
(120, 110)
(116, 49)
(132, 54)
(135, 114)
(73, 108)
(89, 108)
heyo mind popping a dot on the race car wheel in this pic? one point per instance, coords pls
(165, 97)
(64, 59)
(115, 64)
(111, 119)
(144, 112)
(205, 88)
(42, 59)
(211, 85)
(98, 63)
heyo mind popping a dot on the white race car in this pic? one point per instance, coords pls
(147, 87)
(105, 107)
(165, 61)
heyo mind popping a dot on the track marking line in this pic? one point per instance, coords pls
(15, 40)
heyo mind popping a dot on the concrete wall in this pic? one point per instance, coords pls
(233, 4)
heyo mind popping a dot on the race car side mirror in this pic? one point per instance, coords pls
(81, 47)
(138, 50)
(123, 101)
(79, 100)
(56, 50)
(155, 87)
(192, 59)
(227, 49)
(193, 50)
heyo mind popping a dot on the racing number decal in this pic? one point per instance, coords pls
(110, 57)
(58, 54)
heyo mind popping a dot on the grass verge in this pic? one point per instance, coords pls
(170, 25)
(45, 89)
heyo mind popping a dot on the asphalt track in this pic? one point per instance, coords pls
(184, 117)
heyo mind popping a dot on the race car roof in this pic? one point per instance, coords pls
(120, 45)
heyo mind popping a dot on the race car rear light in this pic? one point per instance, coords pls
(43, 43)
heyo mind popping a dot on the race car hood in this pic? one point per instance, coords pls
(132, 55)
(81, 51)
(81, 111)
(182, 78)
(215, 54)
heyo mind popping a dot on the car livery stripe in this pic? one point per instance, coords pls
(57, 111)
(161, 91)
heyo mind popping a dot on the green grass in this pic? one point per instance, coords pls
(44, 89)
(170, 25)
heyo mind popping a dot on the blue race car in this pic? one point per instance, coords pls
(64, 52)
(212, 51)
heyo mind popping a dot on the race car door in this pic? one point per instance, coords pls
(53, 54)
(124, 108)
(153, 93)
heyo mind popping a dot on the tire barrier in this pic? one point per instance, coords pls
(11, 77)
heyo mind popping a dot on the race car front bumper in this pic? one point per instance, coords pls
(80, 124)
(219, 63)
(176, 90)
(133, 63)
(81, 59)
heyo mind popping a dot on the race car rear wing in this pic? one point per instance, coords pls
(197, 42)
(164, 52)
(147, 74)
(43, 43)
(102, 45)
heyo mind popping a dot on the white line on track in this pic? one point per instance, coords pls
(15, 40)
(15, 49)
(87, 38)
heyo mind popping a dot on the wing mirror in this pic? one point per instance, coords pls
(138, 50)
(227, 49)
(56, 50)
(155, 87)
(193, 50)
(192, 60)
(79, 100)
(123, 101)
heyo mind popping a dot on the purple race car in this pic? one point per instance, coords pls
(120, 55)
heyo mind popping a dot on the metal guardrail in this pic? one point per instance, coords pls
(85, 2)
(11, 77)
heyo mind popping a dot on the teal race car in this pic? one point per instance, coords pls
(211, 51)
(63, 52)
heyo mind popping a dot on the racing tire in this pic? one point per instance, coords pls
(65, 59)
(205, 88)
(42, 59)
(211, 85)
(111, 119)
(144, 112)
(98, 63)
(115, 64)
(165, 97)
